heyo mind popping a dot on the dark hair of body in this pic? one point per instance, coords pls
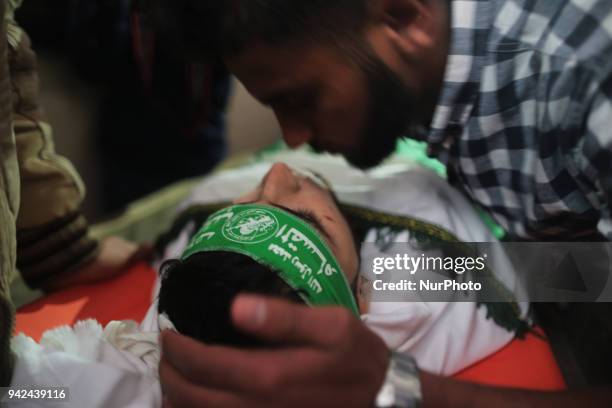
(196, 294)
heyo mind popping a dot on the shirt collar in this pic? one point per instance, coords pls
(470, 25)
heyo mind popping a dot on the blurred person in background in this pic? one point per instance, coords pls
(162, 117)
(43, 233)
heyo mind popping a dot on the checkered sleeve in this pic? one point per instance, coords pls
(596, 154)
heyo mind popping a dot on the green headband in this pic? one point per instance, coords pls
(282, 241)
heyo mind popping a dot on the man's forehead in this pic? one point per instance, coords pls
(266, 69)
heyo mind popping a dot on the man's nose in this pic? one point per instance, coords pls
(280, 181)
(294, 133)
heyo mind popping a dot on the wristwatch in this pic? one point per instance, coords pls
(402, 386)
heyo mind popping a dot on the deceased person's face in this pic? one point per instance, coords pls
(293, 191)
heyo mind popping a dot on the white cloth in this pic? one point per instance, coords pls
(111, 367)
(443, 337)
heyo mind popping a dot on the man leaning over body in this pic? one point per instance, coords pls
(513, 96)
(42, 231)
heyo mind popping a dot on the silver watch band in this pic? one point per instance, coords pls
(402, 386)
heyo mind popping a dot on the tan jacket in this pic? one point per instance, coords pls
(9, 203)
(42, 232)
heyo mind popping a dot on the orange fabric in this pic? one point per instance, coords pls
(525, 363)
(127, 296)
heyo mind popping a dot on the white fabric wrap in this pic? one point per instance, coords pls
(111, 367)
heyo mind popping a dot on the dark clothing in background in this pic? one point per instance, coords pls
(162, 117)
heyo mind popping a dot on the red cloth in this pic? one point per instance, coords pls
(127, 296)
(527, 363)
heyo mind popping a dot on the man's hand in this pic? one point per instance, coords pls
(114, 257)
(323, 357)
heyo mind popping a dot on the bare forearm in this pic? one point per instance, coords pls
(445, 392)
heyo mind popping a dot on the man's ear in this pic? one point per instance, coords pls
(411, 25)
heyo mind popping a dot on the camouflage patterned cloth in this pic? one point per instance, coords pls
(13, 30)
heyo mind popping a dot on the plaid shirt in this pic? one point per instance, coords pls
(524, 121)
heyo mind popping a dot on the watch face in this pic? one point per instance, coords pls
(386, 396)
(402, 387)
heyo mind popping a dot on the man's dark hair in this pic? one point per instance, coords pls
(218, 28)
(196, 294)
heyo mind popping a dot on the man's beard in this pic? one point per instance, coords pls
(391, 111)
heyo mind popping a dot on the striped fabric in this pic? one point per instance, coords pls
(524, 121)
